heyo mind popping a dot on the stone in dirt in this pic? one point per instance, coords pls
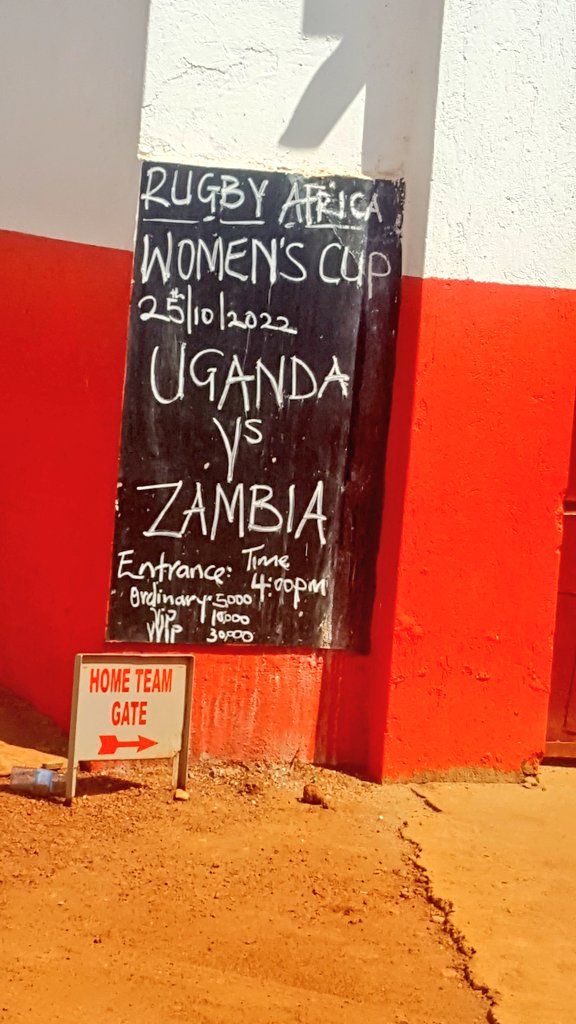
(312, 795)
(181, 794)
(251, 788)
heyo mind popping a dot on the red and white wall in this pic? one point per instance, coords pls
(470, 102)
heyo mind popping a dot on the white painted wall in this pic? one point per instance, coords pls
(503, 203)
(311, 85)
(307, 85)
(71, 86)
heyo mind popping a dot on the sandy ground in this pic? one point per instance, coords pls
(416, 904)
(27, 738)
(241, 904)
(504, 857)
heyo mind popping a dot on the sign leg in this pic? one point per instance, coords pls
(182, 777)
(71, 781)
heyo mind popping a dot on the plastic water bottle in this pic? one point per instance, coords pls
(39, 781)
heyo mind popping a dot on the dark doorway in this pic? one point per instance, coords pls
(561, 735)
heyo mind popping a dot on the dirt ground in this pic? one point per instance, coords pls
(241, 904)
(428, 903)
(504, 857)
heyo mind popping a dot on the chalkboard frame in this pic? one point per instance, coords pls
(341, 620)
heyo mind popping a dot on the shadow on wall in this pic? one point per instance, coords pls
(72, 78)
(392, 51)
(352, 718)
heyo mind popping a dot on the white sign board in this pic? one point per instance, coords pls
(130, 707)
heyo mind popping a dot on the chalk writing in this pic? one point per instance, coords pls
(261, 341)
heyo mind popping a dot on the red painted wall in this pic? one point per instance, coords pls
(64, 316)
(472, 654)
(477, 463)
(65, 310)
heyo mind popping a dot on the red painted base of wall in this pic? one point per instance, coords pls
(479, 556)
(478, 455)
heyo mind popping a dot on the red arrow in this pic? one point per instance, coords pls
(110, 744)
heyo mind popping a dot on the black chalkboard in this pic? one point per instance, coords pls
(257, 396)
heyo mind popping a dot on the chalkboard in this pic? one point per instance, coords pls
(257, 396)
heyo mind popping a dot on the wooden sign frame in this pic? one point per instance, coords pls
(142, 748)
(257, 399)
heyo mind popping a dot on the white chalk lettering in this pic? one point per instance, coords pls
(187, 199)
(257, 500)
(255, 561)
(197, 508)
(150, 258)
(320, 204)
(253, 426)
(210, 373)
(277, 382)
(335, 376)
(295, 394)
(153, 531)
(156, 597)
(179, 393)
(322, 264)
(235, 376)
(231, 449)
(150, 193)
(231, 197)
(373, 272)
(260, 495)
(259, 193)
(240, 259)
(265, 585)
(296, 263)
(314, 512)
(230, 508)
(166, 571)
(164, 628)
